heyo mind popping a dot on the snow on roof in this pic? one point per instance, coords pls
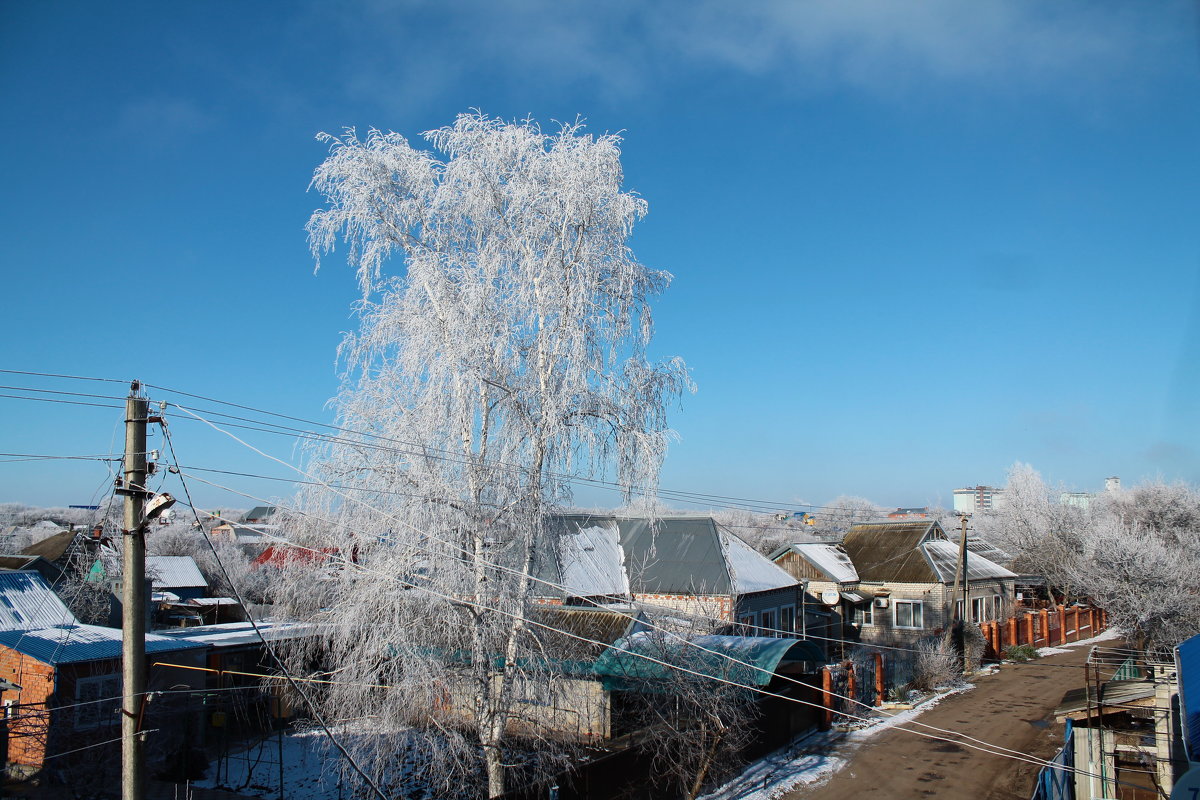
(68, 644)
(943, 557)
(593, 562)
(213, 601)
(28, 602)
(230, 634)
(174, 572)
(830, 559)
(749, 570)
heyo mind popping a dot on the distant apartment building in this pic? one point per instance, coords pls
(1084, 499)
(977, 499)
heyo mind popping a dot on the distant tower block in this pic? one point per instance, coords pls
(1112, 484)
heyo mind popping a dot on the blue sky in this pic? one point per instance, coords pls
(913, 242)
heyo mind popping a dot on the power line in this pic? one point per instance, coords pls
(686, 642)
(266, 645)
(58, 375)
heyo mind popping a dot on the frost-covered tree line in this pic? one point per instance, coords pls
(1135, 551)
(501, 348)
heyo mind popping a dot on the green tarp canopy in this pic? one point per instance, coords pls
(633, 663)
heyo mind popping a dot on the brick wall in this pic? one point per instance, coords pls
(27, 723)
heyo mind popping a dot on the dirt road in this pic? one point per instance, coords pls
(1013, 708)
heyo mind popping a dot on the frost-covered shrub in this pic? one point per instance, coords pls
(936, 663)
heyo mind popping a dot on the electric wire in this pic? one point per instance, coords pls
(962, 738)
(266, 645)
(426, 533)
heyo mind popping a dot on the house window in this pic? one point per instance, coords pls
(998, 606)
(97, 700)
(787, 619)
(768, 623)
(907, 614)
(863, 613)
(979, 609)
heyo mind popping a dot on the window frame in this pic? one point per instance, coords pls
(916, 613)
(98, 711)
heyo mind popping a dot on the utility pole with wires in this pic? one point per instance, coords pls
(133, 597)
(962, 584)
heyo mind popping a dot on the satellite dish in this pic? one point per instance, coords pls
(830, 597)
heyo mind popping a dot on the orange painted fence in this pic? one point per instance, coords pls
(1043, 628)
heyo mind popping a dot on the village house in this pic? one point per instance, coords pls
(687, 563)
(894, 580)
(65, 678)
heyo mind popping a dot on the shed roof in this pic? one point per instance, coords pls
(233, 634)
(71, 644)
(830, 559)
(175, 572)
(28, 602)
(740, 659)
(52, 548)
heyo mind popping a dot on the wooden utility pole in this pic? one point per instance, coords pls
(133, 598)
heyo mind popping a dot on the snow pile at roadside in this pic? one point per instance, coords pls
(776, 774)
(1111, 633)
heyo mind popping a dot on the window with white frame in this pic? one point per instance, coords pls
(767, 623)
(787, 619)
(907, 614)
(863, 613)
(97, 700)
(979, 609)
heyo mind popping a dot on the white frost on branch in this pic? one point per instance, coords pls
(508, 352)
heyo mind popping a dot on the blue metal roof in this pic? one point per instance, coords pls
(1187, 664)
(27, 602)
(71, 644)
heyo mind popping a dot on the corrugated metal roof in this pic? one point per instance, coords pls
(231, 634)
(741, 659)
(600, 555)
(174, 572)
(943, 557)
(1112, 693)
(750, 570)
(1187, 663)
(567, 628)
(680, 555)
(70, 644)
(890, 552)
(830, 559)
(592, 561)
(27, 602)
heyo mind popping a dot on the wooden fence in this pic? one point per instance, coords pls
(869, 682)
(1043, 628)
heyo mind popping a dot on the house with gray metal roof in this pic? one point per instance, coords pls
(687, 564)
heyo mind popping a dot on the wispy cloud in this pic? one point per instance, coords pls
(419, 49)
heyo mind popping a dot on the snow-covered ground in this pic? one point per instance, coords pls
(311, 769)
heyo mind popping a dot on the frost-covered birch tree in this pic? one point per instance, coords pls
(501, 347)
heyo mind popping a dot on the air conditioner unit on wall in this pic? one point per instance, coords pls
(881, 602)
